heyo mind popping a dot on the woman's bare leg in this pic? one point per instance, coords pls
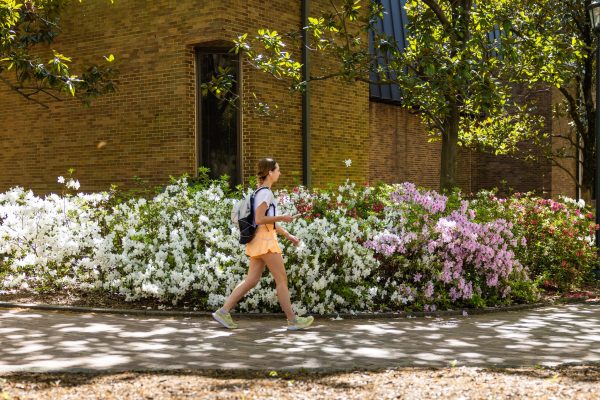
(274, 262)
(257, 266)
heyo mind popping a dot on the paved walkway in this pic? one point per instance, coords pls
(38, 341)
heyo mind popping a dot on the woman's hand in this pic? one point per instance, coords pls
(295, 241)
(286, 218)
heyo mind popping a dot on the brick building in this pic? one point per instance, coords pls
(158, 124)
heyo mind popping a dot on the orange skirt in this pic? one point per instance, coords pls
(264, 241)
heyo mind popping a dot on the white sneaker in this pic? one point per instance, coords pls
(224, 319)
(300, 323)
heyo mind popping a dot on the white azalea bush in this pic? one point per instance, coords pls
(177, 243)
(388, 247)
(49, 243)
(181, 244)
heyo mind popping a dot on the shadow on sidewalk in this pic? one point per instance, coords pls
(51, 341)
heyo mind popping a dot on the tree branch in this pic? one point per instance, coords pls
(573, 110)
(569, 173)
(439, 13)
(343, 21)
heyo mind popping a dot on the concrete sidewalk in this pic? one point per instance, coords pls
(55, 341)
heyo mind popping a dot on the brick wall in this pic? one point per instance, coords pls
(339, 125)
(148, 128)
(562, 181)
(399, 151)
(515, 175)
(279, 135)
(386, 145)
(146, 125)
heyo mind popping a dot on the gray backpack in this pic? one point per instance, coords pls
(242, 215)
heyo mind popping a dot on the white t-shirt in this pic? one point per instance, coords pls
(265, 196)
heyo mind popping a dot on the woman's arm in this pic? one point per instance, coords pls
(282, 232)
(262, 219)
(287, 235)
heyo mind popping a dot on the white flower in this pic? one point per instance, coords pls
(178, 241)
(73, 184)
(348, 163)
(61, 179)
(569, 200)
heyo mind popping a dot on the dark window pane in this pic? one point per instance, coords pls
(218, 144)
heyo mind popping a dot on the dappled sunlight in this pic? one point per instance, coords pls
(156, 332)
(28, 348)
(22, 315)
(90, 328)
(378, 329)
(459, 343)
(41, 341)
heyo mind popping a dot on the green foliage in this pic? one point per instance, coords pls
(450, 55)
(360, 202)
(266, 52)
(26, 26)
(555, 230)
(564, 54)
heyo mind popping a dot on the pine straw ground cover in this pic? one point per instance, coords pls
(567, 382)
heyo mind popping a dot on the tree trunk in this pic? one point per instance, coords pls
(586, 96)
(588, 167)
(449, 148)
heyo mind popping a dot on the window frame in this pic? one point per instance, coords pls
(200, 162)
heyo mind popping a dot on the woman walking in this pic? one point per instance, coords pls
(264, 250)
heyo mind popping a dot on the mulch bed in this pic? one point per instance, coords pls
(87, 299)
(103, 300)
(568, 382)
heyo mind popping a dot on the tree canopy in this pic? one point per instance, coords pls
(27, 29)
(461, 68)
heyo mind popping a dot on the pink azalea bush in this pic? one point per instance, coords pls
(435, 252)
(560, 235)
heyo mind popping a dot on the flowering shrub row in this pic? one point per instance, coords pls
(560, 236)
(363, 248)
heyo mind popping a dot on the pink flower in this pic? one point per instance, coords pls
(429, 290)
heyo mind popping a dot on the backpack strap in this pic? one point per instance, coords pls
(274, 212)
(259, 189)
